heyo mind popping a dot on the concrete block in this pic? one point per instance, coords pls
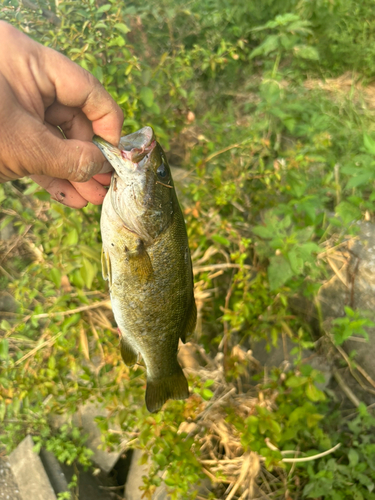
(54, 471)
(28, 470)
(8, 487)
(134, 480)
(85, 418)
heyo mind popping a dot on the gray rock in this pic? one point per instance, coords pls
(85, 419)
(8, 487)
(281, 356)
(54, 471)
(355, 289)
(29, 473)
(7, 302)
(134, 480)
(7, 233)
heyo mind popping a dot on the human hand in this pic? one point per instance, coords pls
(41, 89)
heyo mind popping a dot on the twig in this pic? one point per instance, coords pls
(211, 476)
(17, 240)
(33, 351)
(313, 457)
(201, 269)
(349, 393)
(337, 271)
(244, 469)
(112, 488)
(95, 305)
(5, 272)
(50, 16)
(357, 366)
(217, 153)
(334, 248)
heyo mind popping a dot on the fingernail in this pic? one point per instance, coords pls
(107, 167)
(59, 197)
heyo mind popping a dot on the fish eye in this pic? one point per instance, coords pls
(162, 171)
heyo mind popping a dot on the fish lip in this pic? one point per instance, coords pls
(136, 155)
(128, 160)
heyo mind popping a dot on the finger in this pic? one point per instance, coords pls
(76, 87)
(107, 167)
(43, 153)
(72, 121)
(91, 191)
(104, 179)
(60, 190)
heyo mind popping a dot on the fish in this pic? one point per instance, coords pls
(147, 263)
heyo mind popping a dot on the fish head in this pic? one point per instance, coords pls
(142, 191)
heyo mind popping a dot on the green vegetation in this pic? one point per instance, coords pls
(279, 168)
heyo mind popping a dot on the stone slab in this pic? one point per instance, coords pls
(29, 473)
(84, 418)
(54, 471)
(8, 486)
(134, 480)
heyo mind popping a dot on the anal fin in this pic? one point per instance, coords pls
(128, 354)
(159, 390)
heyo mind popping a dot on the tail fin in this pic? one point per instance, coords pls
(159, 390)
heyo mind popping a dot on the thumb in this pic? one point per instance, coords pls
(43, 153)
(75, 160)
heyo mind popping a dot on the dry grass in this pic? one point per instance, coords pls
(349, 85)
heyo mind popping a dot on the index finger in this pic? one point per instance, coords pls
(76, 87)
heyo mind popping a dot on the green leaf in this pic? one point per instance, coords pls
(122, 27)
(147, 96)
(266, 232)
(353, 457)
(7, 219)
(104, 8)
(4, 349)
(220, 239)
(295, 381)
(360, 180)
(270, 44)
(296, 261)
(279, 271)
(207, 394)
(313, 393)
(5, 325)
(88, 272)
(306, 52)
(55, 276)
(348, 212)
(369, 144)
(71, 238)
(89, 252)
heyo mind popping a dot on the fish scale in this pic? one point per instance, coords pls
(146, 260)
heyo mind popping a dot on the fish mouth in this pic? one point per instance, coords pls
(134, 148)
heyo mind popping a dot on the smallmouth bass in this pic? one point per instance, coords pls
(146, 260)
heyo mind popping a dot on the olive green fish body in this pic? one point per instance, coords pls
(147, 262)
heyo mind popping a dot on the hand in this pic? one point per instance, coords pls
(41, 89)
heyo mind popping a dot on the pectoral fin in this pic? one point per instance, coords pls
(191, 321)
(139, 261)
(128, 354)
(106, 267)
